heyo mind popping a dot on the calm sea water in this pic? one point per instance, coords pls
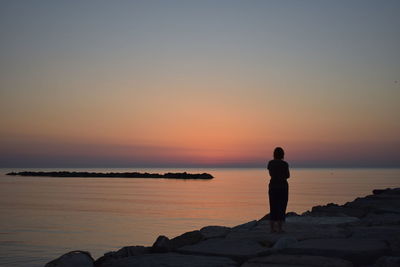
(42, 218)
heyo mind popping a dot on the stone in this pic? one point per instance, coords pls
(162, 244)
(377, 232)
(296, 260)
(301, 231)
(358, 251)
(284, 242)
(172, 260)
(73, 258)
(321, 220)
(122, 253)
(188, 238)
(257, 235)
(335, 210)
(245, 226)
(380, 219)
(387, 191)
(235, 249)
(214, 231)
(387, 261)
(376, 204)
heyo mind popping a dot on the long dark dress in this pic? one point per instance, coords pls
(278, 189)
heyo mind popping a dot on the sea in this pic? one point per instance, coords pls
(43, 218)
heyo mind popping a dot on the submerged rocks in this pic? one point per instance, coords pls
(365, 231)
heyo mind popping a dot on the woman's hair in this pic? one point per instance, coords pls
(279, 153)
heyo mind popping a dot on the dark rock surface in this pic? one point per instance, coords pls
(172, 260)
(296, 260)
(73, 258)
(358, 251)
(364, 232)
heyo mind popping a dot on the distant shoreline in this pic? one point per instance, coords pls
(169, 175)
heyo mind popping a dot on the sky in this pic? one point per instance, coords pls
(199, 83)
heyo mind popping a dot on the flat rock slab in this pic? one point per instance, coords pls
(214, 231)
(358, 251)
(73, 258)
(299, 231)
(391, 232)
(321, 220)
(172, 260)
(236, 249)
(296, 260)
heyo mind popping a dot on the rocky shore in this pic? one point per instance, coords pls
(364, 232)
(168, 175)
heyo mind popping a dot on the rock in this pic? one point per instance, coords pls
(387, 191)
(296, 260)
(266, 217)
(300, 231)
(358, 251)
(257, 235)
(394, 247)
(73, 258)
(380, 219)
(185, 239)
(387, 261)
(235, 249)
(376, 204)
(377, 232)
(172, 260)
(162, 244)
(334, 210)
(245, 226)
(214, 231)
(122, 253)
(284, 242)
(321, 220)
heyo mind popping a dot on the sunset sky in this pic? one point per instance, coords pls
(199, 83)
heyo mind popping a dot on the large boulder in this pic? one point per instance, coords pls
(326, 220)
(214, 231)
(390, 232)
(387, 261)
(358, 251)
(161, 245)
(235, 249)
(122, 253)
(380, 219)
(245, 226)
(296, 261)
(172, 260)
(73, 258)
(164, 244)
(334, 210)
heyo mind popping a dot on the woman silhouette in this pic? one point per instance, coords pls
(278, 189)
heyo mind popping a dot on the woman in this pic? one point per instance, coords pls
(278, 190)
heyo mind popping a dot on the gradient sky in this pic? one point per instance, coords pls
(199, 83)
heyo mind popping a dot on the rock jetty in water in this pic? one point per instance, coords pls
(169, 175)
(364, 232)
